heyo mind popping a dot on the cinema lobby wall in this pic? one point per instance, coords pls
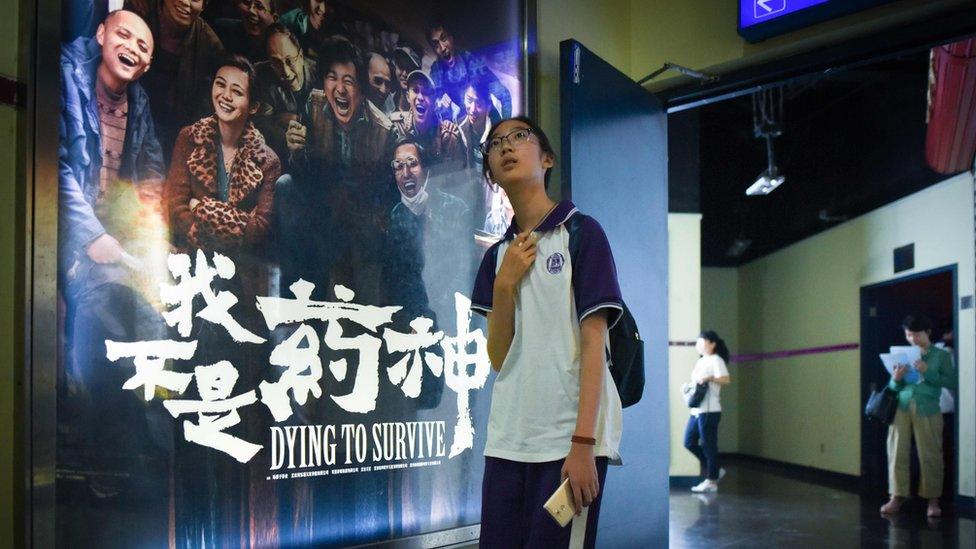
(806, 410)
(11, 263)
(635, 36)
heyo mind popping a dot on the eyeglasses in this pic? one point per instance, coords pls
(411, 163)
(379, 82)
(292, 63)
(515, 138)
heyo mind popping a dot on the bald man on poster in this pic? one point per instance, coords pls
(110, 173)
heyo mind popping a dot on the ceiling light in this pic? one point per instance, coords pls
(767, 116)
(738, 247)
(766, 183)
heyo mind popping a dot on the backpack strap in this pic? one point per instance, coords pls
(573, 225)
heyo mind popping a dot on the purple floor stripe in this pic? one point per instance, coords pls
(754, 357)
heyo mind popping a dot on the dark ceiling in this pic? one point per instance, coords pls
(853, 141)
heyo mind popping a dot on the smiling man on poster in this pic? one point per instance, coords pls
(109, 180)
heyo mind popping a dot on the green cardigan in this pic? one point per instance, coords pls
(925, 394)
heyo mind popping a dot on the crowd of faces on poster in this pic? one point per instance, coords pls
(270, 215)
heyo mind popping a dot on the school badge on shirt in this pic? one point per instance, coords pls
(555, 263)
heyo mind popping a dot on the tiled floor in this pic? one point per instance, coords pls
(756, 507)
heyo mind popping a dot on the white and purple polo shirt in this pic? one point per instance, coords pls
(535, 399)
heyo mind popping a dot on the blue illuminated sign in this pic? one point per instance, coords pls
(761, 19)
(753, 12)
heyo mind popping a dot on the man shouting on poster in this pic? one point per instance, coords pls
(110, 174)
(332, 209)
(107, 133)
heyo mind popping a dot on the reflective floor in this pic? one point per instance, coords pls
(756, 507)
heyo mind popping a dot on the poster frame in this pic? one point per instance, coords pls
(40, 50)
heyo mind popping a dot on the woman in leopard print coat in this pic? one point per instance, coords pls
(219, 192)
(220, 187)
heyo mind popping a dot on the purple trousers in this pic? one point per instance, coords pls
(512, 494)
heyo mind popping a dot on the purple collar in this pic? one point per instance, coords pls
(559, 215)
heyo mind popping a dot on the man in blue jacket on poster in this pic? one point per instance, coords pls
(110, 174)
(107, 136)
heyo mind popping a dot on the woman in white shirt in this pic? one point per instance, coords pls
(701, 434)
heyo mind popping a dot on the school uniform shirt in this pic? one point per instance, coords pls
(709, 366)
(535, 398)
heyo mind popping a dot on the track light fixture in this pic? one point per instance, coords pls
(770, 178)
(767, 124)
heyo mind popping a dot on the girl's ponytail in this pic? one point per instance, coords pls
(721, 349)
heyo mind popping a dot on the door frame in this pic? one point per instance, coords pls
(867, 359)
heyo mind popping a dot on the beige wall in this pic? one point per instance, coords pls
(8, 340)
(720, 312)
(683, 33)
(684, 323)
(9, 27)
(8, 292)
(806, 410)
(600, 26)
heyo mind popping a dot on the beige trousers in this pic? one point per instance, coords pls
(928, 441)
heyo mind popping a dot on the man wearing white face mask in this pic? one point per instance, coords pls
(428, 229)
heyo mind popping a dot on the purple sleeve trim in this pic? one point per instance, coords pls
(483, 311)
(613, 314)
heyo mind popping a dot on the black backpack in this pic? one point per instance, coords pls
(626, 351)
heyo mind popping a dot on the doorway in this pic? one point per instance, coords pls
(883, 307)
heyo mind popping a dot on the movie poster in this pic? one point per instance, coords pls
(270, 216)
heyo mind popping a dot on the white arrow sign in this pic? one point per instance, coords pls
(765, 8)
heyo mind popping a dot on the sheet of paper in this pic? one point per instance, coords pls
(913, 353)
(890, 360)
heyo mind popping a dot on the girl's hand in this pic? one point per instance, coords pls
(580, 468)
(518, 259)
(921, 366)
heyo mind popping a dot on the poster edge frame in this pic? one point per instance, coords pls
(38, 422)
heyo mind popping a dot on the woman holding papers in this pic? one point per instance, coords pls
(918, 413)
